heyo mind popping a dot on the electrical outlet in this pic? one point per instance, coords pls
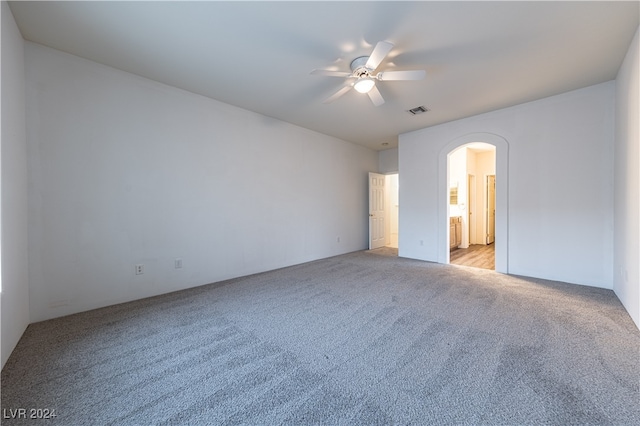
(178, 263)
(139, 269)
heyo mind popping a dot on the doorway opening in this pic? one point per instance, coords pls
(471, 175)
(502, 196)
(384, 212)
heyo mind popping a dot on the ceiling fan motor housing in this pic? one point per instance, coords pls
(358, 67)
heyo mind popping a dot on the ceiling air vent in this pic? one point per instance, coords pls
(418, 110)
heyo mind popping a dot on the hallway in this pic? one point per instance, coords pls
(477, 256)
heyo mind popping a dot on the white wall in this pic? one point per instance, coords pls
(13, 153)
(125, 170)
(554, 144)
(485, 166)
(470, 229)
(388, 161)
(626, 274)
(480, 164)
(393, 204)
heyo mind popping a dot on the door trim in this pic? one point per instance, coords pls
(472, 224)
(491, 204)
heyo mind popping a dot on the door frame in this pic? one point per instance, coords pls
(472, 224)
(502, 196)
(490, 230)
(372, 209)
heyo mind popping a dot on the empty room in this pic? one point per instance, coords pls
(273, 213)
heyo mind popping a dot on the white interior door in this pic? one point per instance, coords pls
(377, 234)
(491, 209)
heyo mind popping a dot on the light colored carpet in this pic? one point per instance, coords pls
(361, 338)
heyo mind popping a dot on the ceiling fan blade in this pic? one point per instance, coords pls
(375, 96)
(401, 75)
(331, 73)
(336, 95)
(381, 50)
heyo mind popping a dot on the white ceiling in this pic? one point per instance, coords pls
(479, 56)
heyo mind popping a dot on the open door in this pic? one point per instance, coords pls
(491, 209)
(377, 235)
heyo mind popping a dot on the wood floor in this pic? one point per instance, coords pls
(477, 256)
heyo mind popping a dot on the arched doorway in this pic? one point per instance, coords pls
(471, 172)
(501, 196)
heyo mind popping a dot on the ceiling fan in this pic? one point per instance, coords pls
(362, 70)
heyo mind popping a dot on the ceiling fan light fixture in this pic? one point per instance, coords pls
(363, 77)
(364, 85)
